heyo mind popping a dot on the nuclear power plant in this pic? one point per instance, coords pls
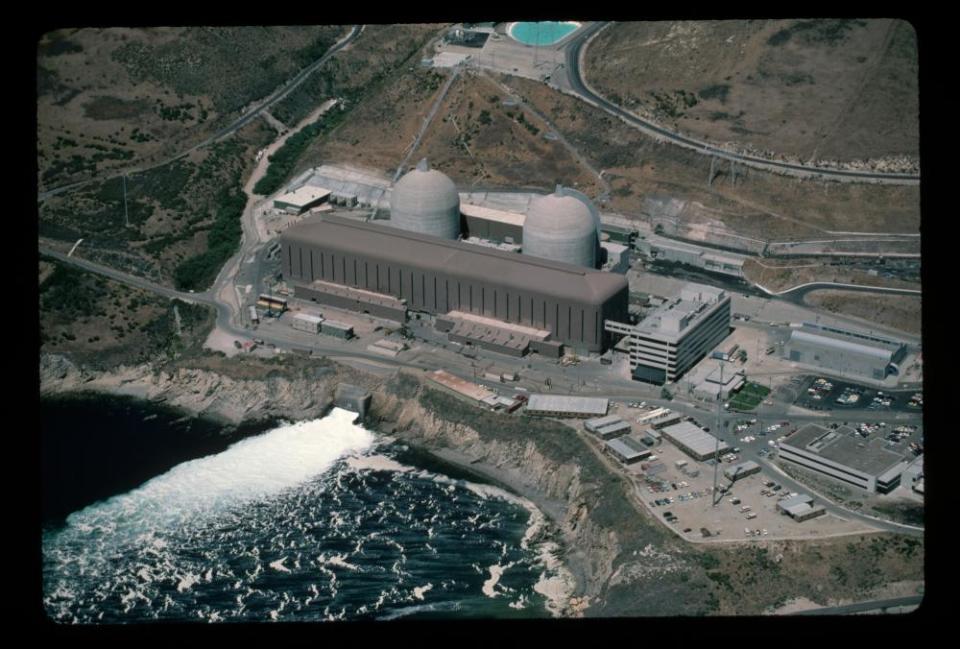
(549, 296)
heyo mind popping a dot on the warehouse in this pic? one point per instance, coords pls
(741, 470)
(674, 337)
(627, 449)
(842, 455)
(607, 427)
(437, 276)
(557, 405)
(694, 441)
(845, 352)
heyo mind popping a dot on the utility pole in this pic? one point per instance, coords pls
(716, 431)
(126, 218)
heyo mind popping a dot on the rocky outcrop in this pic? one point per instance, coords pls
(200, 391)
(556, 488)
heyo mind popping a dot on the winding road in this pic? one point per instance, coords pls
(574, 51)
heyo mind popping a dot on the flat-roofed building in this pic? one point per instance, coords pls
(301, 199)
(627, 449)
(741, 470)
(491, 224)
(608, 427)
(558, 405)
(800, 507)
(847, 353)
(336, 329)
(843, 455)
(675, 336)
(694, 441)
(306, 322)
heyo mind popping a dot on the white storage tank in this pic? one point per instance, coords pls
(426, 201)
(564, 226)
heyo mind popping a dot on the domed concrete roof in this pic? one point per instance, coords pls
(426, 201)
(563, 226)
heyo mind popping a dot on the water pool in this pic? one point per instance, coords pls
(542, 33)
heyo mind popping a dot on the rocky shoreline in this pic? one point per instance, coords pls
(553, 489)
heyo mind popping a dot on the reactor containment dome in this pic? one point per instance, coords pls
(426, 201)
(563, 226)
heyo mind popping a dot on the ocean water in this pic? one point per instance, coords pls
(316, 520)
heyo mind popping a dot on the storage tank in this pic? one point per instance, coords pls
(564, 226)
(426, 201)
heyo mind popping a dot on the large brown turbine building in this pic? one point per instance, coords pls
(385, 270)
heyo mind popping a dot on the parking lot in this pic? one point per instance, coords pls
(682, 497)
(819, 393)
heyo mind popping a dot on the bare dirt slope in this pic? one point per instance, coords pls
(898, 311)
(810, 89)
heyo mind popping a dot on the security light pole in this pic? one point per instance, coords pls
(716, 431)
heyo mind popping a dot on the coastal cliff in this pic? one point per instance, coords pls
(578, 496)
(616, 559)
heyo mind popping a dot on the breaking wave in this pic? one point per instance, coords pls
(308, 521)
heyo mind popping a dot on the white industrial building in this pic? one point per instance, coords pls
(674, 337)
(301, 199)
(842, 455)
(848, 353)
(307, 322)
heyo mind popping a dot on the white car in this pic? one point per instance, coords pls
(772, 443)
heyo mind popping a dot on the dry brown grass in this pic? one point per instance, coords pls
(113, 88)
(901, 312)
(828, 89)
(763, 205)
(782, 274)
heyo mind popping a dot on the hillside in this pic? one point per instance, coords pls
(114, 98)
(808, 89)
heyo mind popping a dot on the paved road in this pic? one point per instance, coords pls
(580, 88)
(796, 294)
(876, 605)
(239, 123)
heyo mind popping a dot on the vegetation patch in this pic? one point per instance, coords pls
(283, 161)
(749, 397)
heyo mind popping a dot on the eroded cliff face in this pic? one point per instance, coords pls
(555, 487)
(603, 551)
(199, 391)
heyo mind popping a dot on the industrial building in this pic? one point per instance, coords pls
(660, 248)
(301, 199)
(842, 455)
(846, 352)
(800, 507)
(307, 322)
(434, 275)
(741, 470)
(607, 427)
(694, 441)
(627, 449)
(674, 337)
(557, 405)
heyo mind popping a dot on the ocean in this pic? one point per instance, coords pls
(308, 521)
